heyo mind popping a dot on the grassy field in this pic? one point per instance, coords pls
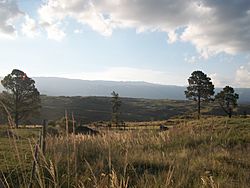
(211, 152)
(14, 142)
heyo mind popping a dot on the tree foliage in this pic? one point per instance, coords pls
(116, 105)
(227, 99)
(21, 97)
(200, 88)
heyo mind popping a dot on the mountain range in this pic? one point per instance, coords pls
(55, 86)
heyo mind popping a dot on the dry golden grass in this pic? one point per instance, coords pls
(212, 152)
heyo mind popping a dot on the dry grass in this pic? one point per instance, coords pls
(212, 152)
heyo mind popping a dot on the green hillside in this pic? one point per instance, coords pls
(92, 109)
(89, 109)
(99, 108)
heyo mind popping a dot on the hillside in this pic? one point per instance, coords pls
(89, 109)
(75, 87)
(92, 109)
(53, 86)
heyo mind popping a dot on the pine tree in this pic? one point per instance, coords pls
(116, 105)
(227, 99)
(21, 97)
(200, 89)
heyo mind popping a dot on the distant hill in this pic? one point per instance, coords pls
(54, 86)
(74, 87)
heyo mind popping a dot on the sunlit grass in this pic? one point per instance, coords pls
(212, 152)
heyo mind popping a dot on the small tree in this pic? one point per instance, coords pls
(200, 88)
(227, 99)
(21, 98)
(116, 105)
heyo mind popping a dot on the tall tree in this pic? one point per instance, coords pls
(116, 105)
(21, 96)
(227, 99)
(200, 88)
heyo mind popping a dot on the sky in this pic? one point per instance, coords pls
(157, 41)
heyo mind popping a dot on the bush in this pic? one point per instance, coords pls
(52, 131)
(52, 123)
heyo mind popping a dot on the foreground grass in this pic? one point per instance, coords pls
(212, 152)
(16, 142)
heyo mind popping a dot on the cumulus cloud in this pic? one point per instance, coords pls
(30, 27)
(83, 11)
(78, 31)
(225, 29)
(222, 81)
(54, 31)
(172, 37)
(242, 78)
(212, 26)
(9, 11)
(192, 59)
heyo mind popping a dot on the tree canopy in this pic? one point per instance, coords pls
(21, 97)
(200, 88)
(227, 99)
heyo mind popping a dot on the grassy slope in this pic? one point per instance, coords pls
(92, 109)
(212, 152)
(10, 146)
(89, 109)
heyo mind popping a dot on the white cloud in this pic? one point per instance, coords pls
(222, 81)
(9, 11)
(212, 26)
(30, 28)
(172, 37)
(225, 28)
(54, 31)
(82, 11)
(78, 31)
(192, 59)
(242, 78)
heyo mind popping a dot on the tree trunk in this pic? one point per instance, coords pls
(199, 107)
(16, 110)
(229, 110)
(230, 113)
(16, 119)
